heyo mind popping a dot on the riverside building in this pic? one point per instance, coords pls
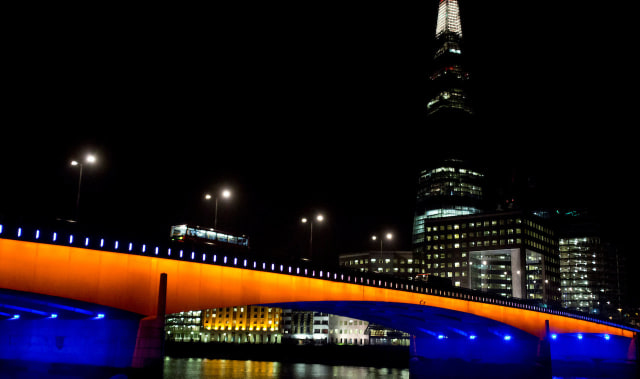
(305, 327)
(348, 331)
(242, 324)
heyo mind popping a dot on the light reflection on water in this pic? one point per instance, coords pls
(196, 368)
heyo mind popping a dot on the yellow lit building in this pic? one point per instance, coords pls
(242, 324)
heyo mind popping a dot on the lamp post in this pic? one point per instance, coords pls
(90, 159)
(225, 193)
(305, 220)
(387, 236)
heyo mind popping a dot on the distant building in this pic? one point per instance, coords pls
(183, 327)
(588, 275)
(592, 271)
(397, 263)
(348, 331)
(242, 324)
(238, 324)
(379, 335)
(305, 327)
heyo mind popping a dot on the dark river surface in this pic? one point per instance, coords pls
(201, 368)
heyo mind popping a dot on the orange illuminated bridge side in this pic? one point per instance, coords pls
(130, 282)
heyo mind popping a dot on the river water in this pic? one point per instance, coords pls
(201, 368)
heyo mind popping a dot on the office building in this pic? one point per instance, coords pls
(305, 327)
(592, 270)
(348, 331)
(513, 254)
(447, 190)
(589, 275)
(242, 324)
(397, 263)
(183, 326)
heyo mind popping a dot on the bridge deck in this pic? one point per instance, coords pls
(125, 275)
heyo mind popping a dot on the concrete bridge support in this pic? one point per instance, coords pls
(99, 345)
(517, 354)
(594, 355)
(486, 355)
(149, 349)
(89, 342)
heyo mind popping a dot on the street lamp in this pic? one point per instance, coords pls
(90, 159)
(387, 236)
(305, 220)
(225, 195)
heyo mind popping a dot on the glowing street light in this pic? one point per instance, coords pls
(225, 193)
(90, 159)
(305, 220)
(387, 236)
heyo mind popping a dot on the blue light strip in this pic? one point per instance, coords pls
(50, 304)
(29, 310)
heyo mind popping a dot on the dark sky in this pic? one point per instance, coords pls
(305, 108)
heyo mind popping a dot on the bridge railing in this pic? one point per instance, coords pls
(213, 256)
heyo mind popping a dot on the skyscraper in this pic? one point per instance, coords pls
(448, 96)
(508, 253)
(448, 190)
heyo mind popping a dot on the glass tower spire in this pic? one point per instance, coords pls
(448, 18)
(448, 78)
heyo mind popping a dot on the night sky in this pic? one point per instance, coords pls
(307, 108)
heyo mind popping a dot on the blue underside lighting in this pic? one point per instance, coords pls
(440, 337)
(579, 336)
(607, 337)
(507, 338)
(554, 336)
(23, 309)
(472, 337)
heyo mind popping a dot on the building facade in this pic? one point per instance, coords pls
(398, 263)
(242, 324)
(183, 326)
(511, 254)
(448, 190)
(589, 274)
(379, 335)
(348, 331)
(305, 327)
(592, 271)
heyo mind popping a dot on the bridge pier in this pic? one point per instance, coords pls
(99, 343)
(594, 355)
(149, 349)
(479, 356)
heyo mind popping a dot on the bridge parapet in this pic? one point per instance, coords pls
(209, 256)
